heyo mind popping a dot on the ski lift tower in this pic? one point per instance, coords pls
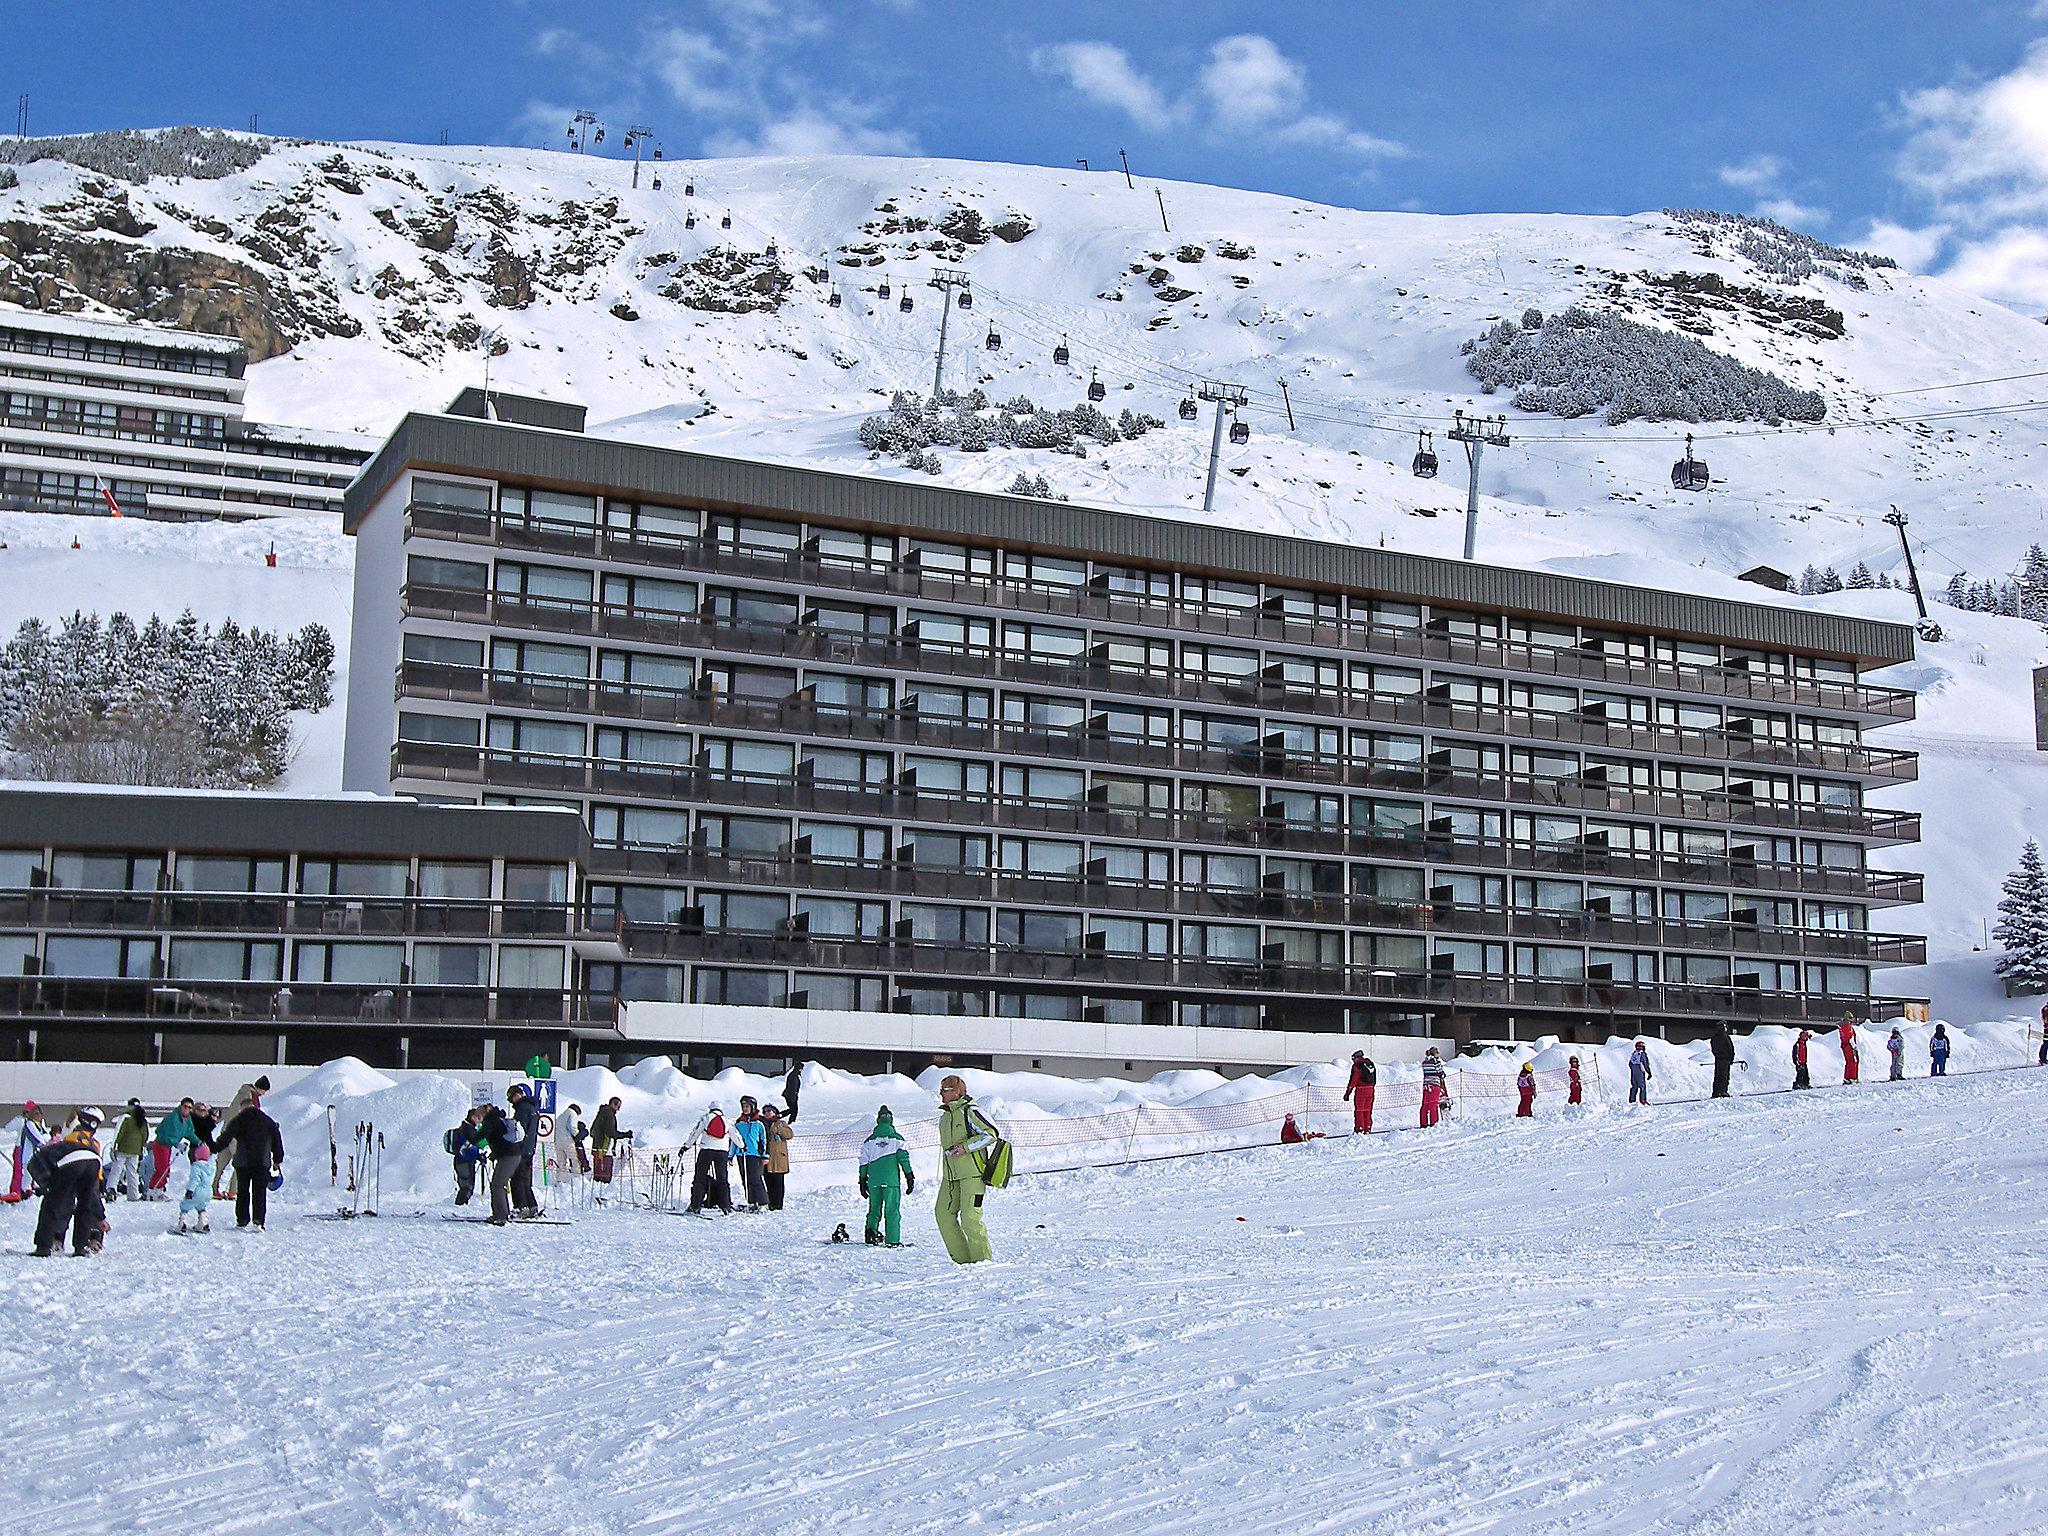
(1475, 432)
(636, 138)
(1224, 396)
(946, 280)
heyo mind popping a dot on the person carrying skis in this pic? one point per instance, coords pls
(1525, 1088)
(1896, 1045)
(1800, 1077)
(258, 1153)
(711, 1139)
(1937, 1051)
(172, 1132)
(604, 1134)
(1722, 1044)
(67, 1171)
(1850, 1063)
(1360, 1090)
(964, 1136)
(885, 1175)
(750, 1135)
(779, 1138)
(1639, 1074)
(464, 1145)
(28, 1142)
(198, 1188)
(131, 1140)
(1436, 1087)
(1575, 1090)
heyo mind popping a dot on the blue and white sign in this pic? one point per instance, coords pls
(543, 1094)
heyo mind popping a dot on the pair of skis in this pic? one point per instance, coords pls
(365, 1169)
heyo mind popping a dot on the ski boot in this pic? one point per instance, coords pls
(201, 1225)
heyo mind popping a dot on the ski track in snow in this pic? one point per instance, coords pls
(1812, 1314)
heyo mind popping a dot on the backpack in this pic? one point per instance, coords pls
(995, 1162)
(451, 1140)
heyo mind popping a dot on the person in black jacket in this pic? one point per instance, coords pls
(512, 1138)
(795, 1081)
(259, 1153)
(68, 1173)
(1723, 1046)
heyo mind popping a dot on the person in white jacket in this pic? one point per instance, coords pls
(712, 1141)
(34, 1133)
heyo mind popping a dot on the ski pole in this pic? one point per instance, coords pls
(333, 1154)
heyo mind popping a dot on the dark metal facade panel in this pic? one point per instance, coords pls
(457, 445)
(521, 410)
(255, 823)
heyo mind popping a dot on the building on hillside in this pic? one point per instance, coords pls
(95, 417)
(881, 747)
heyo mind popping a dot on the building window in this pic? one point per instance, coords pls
(814, 989)
(70, 955)
(225, 960)
(375, 965)
(741, 989)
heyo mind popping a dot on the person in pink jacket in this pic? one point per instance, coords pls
(1849, 1061)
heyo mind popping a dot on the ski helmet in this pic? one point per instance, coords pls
(90, 1119)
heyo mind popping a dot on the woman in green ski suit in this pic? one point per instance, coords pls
(884, 1176)
(964, 1134)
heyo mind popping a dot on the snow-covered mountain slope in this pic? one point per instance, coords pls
(375, 278)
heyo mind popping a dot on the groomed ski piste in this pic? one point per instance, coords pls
(1812, 1312)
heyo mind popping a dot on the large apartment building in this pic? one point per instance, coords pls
(887, 748)
(153, 419)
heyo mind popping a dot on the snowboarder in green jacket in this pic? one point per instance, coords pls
(964, 1136)
(885, 1174)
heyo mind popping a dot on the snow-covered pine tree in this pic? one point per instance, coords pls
(1860, 578)
(1809, 580)
(2022, 926)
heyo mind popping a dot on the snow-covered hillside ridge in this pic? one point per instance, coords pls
(376, 277)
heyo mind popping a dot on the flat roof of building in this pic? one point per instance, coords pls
(130, 333)
(111, 817)
(572, 461)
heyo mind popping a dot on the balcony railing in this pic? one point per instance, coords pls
(797, 715)
(423, 917)
(1095, 601)
(280, 1005)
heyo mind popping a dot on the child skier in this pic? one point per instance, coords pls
(750, 1133)
(1435, 1087)
(1525, 1086)
(885, 1175)
(1800, 1079)
(1576, 1093)
(1639, 1074)
(1897, 1046)
(1360, 1090)
(1937, 1051)
(198, 1189)
(465, 1147)
(34, 1135)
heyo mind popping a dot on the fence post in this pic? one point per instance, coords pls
(1131, 1140)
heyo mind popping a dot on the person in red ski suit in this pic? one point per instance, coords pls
(1799, 1075)
(1849, 1061)
(1360, 1090)
(1435, 1087)
(1525, 1085)
(1576, 1093)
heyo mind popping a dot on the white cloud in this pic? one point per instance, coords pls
(1251, 83)
(1247, 87)
(837, 130)
(1913, 249)
(1104, 74)
(1759, 173)
(697, 72)
(1792, 213)
(2009, 265)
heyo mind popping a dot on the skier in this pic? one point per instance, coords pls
(512, 1178)
(712, 1141)
(751, 1136)
(1723, 1046)
(223, 1151)
(1937, 1051)
(1290, 1133)
(604, 1133)
(1800, 1079)
(1897, 1046)
(1639, 1074)
(2041, 1056)
(779, 1138)
(131, 1140)
(34, 1133)
(964, 1135)
(465, 1147)
(1360, 1090)
(885, 1175)
(1576, 1093)
(172, 1132)
(1525, 1086)
(258, 1153)
(68, 1173)
(791, 1085)
(1849, 1058)
(198, 1189)
(1435, 1087)
(570, 1133)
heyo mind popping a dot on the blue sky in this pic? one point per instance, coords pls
(1921, 129)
